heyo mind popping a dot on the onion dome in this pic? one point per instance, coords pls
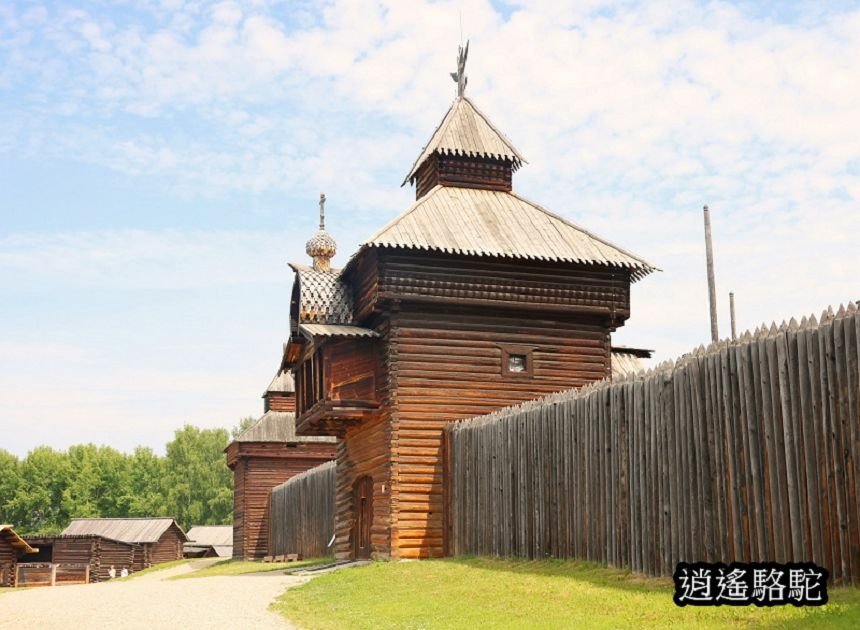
(322, 247)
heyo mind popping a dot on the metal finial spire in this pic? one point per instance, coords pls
(322, 211)
(460, 76)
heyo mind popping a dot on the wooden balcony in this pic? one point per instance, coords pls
(333, 417)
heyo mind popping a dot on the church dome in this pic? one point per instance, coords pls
(321, 244)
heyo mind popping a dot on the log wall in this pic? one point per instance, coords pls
(302, 512)
(451, 365)
(168, 547)
(746, 451)
(257, 468)
(8, 557)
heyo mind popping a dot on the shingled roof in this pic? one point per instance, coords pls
(283, 383)
(127, 530)
(465, 130)
(323, 297)
(277, 426)
(20, 545)
(503, 224)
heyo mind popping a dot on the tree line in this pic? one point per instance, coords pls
(43, 491)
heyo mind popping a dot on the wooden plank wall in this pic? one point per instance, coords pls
(746, 451)
(260, 467)
(302, 512)
(448, 366)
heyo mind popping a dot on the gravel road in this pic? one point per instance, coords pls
(150, 601)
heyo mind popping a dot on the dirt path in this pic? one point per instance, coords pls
(151, 601)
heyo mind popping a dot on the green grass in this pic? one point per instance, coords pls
(153, 569)
(239, 567)
(489, 593)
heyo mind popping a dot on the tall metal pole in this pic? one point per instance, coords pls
(732, 314)
(712, 289)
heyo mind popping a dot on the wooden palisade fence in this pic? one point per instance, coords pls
(744, 451)
(302, 514)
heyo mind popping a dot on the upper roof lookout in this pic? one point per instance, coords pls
(322, 247)
(466, 150)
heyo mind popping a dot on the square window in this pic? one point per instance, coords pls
(516, 363)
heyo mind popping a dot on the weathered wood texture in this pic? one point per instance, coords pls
(168, 547)
(463, 172)
(746, 451)
(446, 324)
(302, 512)
(279, 402)
(8, 557)
(449, 366)
(97, 552)
(257, 468)
(491, 283)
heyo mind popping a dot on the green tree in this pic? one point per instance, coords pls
(10, 473)
(144, 493)
(38, 502)
(244, 424)
(199, 485)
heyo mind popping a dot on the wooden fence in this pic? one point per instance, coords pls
(302, 514)
(32, 574)
(744, 451)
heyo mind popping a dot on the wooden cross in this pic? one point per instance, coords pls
(322, 211)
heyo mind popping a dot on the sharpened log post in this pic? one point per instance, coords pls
(712, 289)
(732, 315)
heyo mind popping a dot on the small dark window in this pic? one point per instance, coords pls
(517, 361)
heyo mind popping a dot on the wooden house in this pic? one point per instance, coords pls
(209, 541)
(473, 299)
(265, 455)
(99, 553)
(12, 547)
(152, 540)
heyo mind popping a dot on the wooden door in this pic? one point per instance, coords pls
(363, 506)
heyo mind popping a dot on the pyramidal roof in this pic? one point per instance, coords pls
(494, 223)
(466, 131)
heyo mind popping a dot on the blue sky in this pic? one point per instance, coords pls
(160, 163)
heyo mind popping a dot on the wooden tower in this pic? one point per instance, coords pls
(265, 455)
(473, 299)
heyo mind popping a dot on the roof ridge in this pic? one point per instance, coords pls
(442, 126)
(501, 133)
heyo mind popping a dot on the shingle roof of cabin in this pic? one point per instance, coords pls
(324, 298)
(127, 530)
(465, 130)
(495, 223)
(219, 537)
(19, 544)
(277, 426)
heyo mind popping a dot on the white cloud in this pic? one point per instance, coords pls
(632, 116)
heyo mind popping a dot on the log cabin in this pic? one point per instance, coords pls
(152, 540)
(263, 456)
(12, 547)
(98, 552)
(473, 299)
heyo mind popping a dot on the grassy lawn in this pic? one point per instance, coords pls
(489, 593)
(238, 567)
(153, 569)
